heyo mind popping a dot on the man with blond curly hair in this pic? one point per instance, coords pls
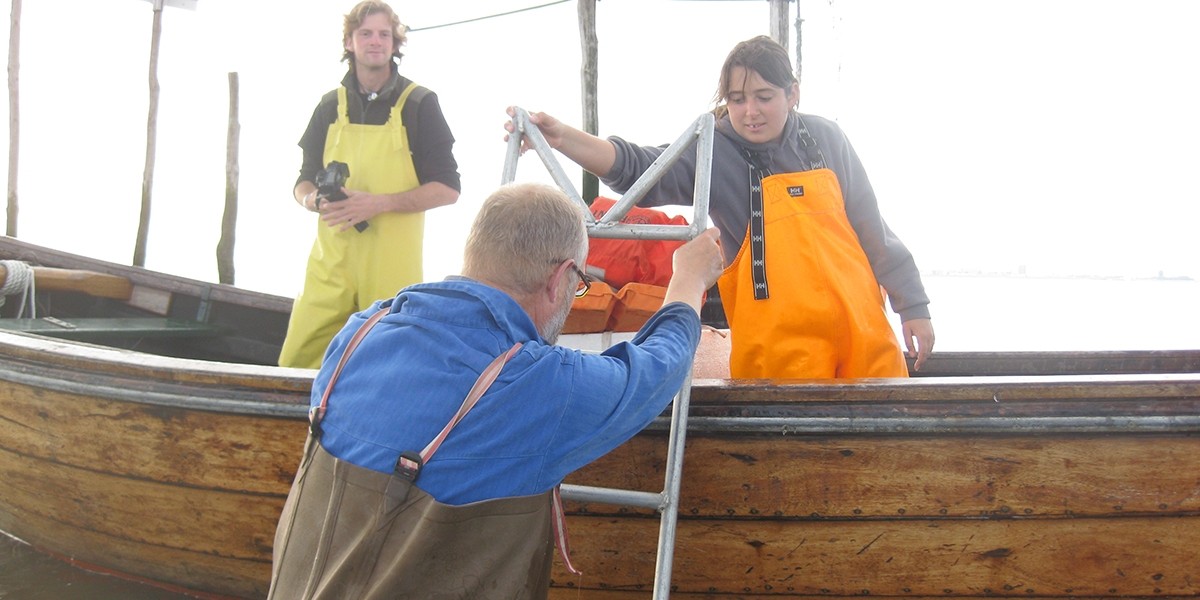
(394, 141)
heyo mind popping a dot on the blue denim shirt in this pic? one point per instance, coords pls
(551, 411)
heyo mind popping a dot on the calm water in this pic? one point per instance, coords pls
(1028, 313)
(970, 313)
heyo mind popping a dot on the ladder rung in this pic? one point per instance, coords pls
(588, 493)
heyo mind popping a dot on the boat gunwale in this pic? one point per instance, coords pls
(131, 376)
(14, 249)
(950, 405)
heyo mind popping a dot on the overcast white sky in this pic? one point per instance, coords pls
(1058, 136)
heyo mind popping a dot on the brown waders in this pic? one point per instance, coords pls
(348, 532)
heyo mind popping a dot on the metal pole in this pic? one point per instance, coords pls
(779, 21)
(143, 233)
(14, 114)
(225, 266)
(589, 73)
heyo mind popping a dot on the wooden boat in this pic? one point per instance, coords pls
(125, 307)
(1033, 475)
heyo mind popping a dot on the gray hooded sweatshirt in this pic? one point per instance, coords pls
(729, 206)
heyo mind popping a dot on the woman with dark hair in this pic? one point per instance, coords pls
(806, 249)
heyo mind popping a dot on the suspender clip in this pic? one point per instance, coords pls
(409, 465)
(315, 414)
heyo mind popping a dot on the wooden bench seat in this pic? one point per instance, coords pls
(95, 328)
(101, 285)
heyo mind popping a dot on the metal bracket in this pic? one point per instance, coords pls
(699, 133)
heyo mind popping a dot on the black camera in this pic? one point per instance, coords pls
(330, 182)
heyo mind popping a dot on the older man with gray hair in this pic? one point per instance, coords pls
(468, 368)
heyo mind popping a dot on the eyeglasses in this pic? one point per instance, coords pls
(585, 282)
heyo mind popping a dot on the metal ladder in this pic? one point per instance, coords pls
(700, 133)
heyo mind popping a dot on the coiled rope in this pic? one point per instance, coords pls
(19, 279)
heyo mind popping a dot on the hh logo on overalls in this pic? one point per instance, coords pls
(795, 190)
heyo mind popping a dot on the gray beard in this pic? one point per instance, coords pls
(553, 327)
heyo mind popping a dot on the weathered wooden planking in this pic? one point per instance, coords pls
(57, 363)
(127, 462)
(141, 511)
(178, 439)
(89, 282)
(961, 476)
(186, 497)
(196, 449)
(11, 248)
(243, 326)
(572, 592)
(196, 538)
(1075, 557)
(1029, 363)
(992, 395)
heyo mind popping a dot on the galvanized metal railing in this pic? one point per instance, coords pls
(700, 135)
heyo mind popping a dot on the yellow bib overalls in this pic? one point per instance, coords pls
(819, 311)
(348, 270)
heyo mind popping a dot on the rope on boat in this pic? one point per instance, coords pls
(19, 279)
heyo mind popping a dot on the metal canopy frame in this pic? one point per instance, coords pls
(700, 134)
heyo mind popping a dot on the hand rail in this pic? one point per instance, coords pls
(699, 133)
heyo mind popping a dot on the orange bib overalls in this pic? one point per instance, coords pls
(349, 270)
(814, 308)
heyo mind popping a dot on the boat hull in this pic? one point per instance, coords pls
(175, 470)
(162, 314)
(168, 470)
(1038, 475)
